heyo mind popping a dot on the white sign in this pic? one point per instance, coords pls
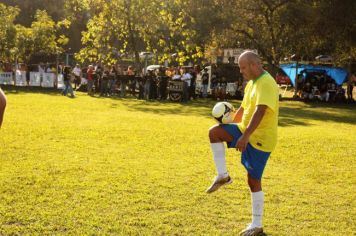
(233, 52)
(45, 80)
(48, 80)
(60, 82)
(35, 79)
(6, 78)
(21, 78)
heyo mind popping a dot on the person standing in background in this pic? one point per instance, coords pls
(90, 78)
(205, 82)
(67, 83)
(77, 72)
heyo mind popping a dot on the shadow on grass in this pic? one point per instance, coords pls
(289, 115)
(200, 107)
(301, 115)
(10, 89)
(347, 105)
(197, 107)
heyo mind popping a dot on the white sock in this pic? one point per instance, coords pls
(257, 208)
(218, 150)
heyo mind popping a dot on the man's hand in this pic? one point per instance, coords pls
(242, 143)
(254, 122)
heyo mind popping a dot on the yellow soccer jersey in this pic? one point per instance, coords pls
(261, 91)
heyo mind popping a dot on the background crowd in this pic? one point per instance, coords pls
(120, 80)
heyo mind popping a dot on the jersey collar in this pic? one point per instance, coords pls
(254, 81)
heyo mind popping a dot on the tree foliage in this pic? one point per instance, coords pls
(177, 30)
(132, 26)
(7, 31)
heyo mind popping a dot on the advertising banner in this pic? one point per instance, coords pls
(6, 78)
(21, 78)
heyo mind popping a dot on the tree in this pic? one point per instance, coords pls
(335, 27)
(273, 27)
(7, 31)
(44, 33)
(131, 26)
(29, 8)
(24, 43)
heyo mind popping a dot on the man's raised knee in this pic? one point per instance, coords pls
(218, 134)
(213, 137)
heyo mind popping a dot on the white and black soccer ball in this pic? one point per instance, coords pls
(223, 112)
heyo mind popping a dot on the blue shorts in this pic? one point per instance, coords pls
(252, 159)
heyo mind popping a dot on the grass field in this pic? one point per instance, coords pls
(103, 166)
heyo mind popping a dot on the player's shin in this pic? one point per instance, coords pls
(257, 199)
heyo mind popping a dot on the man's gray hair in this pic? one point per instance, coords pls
(250, 56)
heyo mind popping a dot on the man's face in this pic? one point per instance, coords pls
(246, 69)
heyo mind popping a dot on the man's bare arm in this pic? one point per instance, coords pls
(238, 115)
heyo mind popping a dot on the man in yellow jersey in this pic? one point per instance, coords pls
(2, 105)
(254, 134)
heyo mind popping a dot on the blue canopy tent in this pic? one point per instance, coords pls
(338, 74)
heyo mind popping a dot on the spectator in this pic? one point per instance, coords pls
(130, 70)
(149, 78)
(176, 75)
(77, 72)
(60, 68)
(222, 89)
(205, 82)
(90, 80)
(49, 69)
(153, 86)
(141, 86)
(41, 68)
(214, 85)
(324, 94)
(300, 84)
(186, 78)
(350, 88)
(193, 73)
(170, 72)
(340, 94)
(163, 83)
(131, 78)
(112, 79)
(67, 83)
(98, 75)
(307, 91)
(105, 82)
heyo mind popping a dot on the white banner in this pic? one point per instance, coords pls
(21, 78)
(6, 78)
(35, 79)
(48, 80)
(45, 80)
(60, 83)
(233, 52)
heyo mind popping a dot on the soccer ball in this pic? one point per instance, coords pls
(223, 112)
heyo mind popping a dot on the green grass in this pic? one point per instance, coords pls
(94, 166)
